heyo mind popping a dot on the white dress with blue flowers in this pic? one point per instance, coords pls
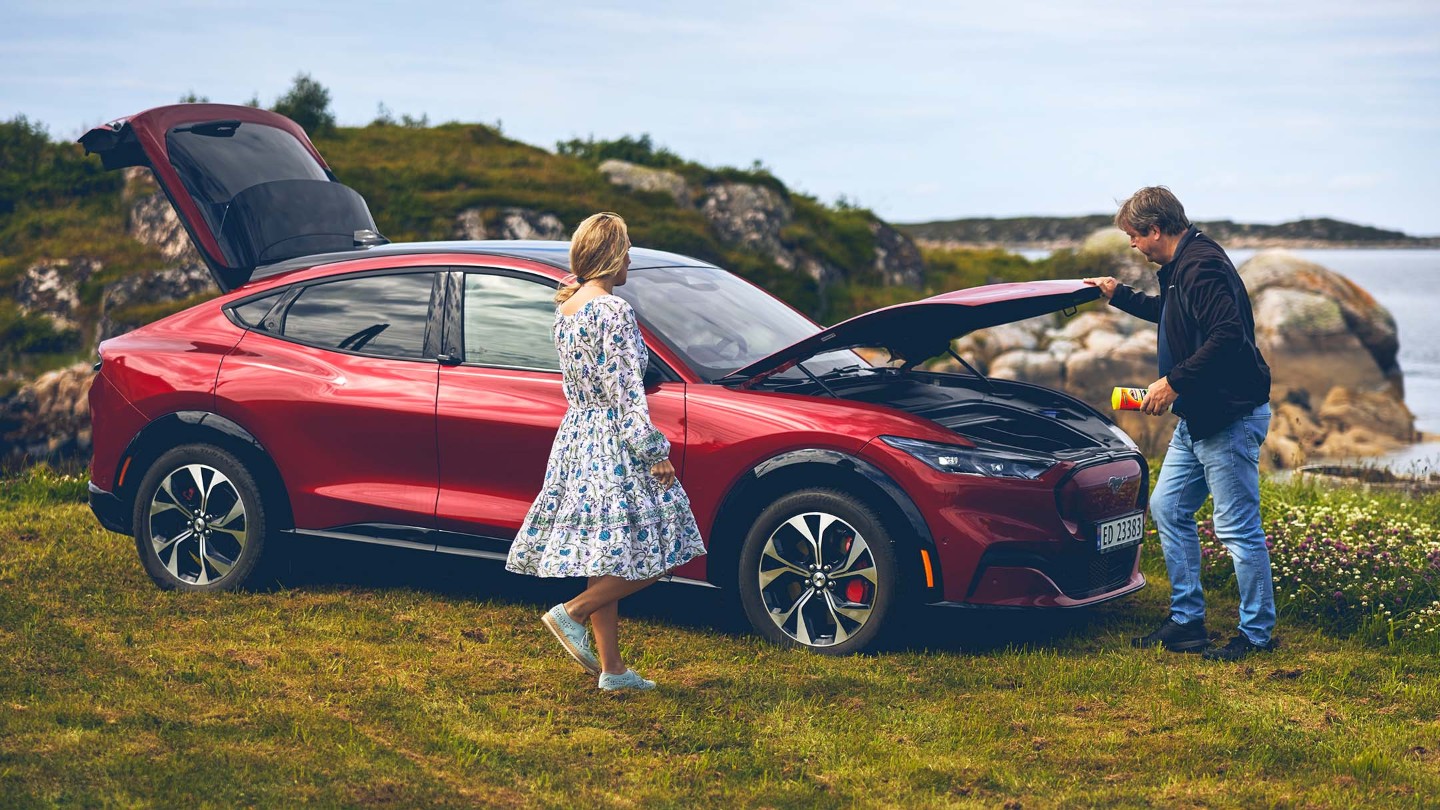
(600, 510)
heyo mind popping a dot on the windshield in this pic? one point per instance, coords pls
(719, 323)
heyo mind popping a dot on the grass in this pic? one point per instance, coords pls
(384, 679)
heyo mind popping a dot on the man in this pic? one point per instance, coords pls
(1213, 377)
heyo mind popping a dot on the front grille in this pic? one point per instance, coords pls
(1079, 573)
(1101, 573)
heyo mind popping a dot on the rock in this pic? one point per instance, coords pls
(52, 287)
(1099, 341)
(1038, 367)
(1092, 375)
(751, 216)
(152, 221)
(1062, 349)
(984, 345)
(1307, 343)
(1272, 277)
(644, 178)
(469, 225)
(174, 284)
(897, 260)
(523, 223)
(49, 416)
(1110, 320)
(1373, 411)
(1141, 345)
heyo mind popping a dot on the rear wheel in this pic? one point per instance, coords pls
(817, 570)
(200, 521)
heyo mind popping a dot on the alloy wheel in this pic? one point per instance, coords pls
(817, 578)
(197, 524)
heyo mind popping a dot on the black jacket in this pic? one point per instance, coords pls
(1218, 372)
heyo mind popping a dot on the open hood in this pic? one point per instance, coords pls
(247, 184)
(923, 329)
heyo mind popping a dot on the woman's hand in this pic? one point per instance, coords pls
(664, 472)
(1106, 284)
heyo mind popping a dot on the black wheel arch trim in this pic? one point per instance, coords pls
(903, 505)
(141, 444)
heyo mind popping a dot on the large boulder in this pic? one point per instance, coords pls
(644, 178)
(1318, 328)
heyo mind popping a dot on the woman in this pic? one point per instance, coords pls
(610, 508)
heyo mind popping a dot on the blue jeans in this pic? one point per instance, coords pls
(1227, 466)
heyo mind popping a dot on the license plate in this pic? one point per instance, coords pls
(1120, 532)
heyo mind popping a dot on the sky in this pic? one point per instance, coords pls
(1253, 111)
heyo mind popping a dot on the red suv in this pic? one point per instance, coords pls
(407, 394)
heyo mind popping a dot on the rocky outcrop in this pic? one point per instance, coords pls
(750, 216)
(469, 225)
(49, 416)
(52, 287)
(644, 178)
(151, 220)
(508, 223)
(753, 217)
(523, 223)
(174, 284)
(897, 260)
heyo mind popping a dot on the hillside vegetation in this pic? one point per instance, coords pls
(57, 205)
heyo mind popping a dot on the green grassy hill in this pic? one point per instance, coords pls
(56, 204)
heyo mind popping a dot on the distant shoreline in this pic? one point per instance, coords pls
(1059, 233)
(1235, 243)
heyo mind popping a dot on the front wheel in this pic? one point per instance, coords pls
(818, 571)
(199, 521)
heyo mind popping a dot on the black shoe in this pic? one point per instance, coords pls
(1177, 637)
(1237, 648)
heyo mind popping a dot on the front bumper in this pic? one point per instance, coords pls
(109, 510)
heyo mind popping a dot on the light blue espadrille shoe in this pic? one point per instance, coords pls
(629, 679)
(573, 637)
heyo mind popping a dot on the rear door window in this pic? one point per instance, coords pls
(382, 315)
(508, 322)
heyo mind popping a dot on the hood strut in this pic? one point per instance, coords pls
(989, 386)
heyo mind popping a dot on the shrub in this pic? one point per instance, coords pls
(307, 103)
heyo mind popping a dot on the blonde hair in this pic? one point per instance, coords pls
(597, 250)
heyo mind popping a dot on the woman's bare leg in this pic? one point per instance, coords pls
(603, 591)
(605, 623)
(600, 603)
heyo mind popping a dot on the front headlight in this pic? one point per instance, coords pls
(973, 460)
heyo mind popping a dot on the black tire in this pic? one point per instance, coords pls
(843, 606)
(222, 553)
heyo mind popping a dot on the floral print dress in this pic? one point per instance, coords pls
(600, 510)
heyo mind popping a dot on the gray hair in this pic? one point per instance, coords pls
(1152, 207)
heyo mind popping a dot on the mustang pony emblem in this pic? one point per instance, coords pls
(1116, 482)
